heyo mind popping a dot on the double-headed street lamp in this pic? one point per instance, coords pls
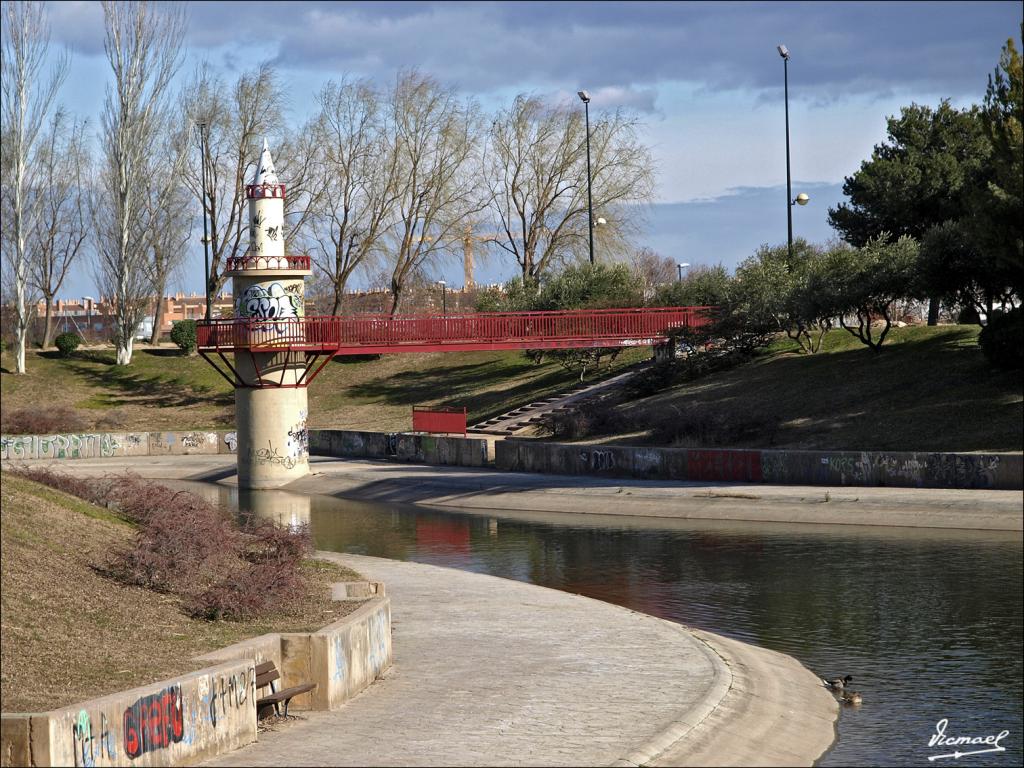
(681, 266)
(206, 234)
(800, 199)
(585, 98)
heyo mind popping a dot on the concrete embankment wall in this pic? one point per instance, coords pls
(104, 445)
(193, 717)
(833, 468)
(422, 449)
(998, 471)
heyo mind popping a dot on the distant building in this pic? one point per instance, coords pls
(95, 319)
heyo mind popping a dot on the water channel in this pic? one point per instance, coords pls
(929, 622)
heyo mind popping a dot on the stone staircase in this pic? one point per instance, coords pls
(530, 415)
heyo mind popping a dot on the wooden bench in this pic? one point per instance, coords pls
(266, 674)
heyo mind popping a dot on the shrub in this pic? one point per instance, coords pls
(195, 550)
(653, 379)
(1002, 340)
(67, 343)
(30, 421)
(183, 333)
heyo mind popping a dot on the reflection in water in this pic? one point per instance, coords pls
(928, 622)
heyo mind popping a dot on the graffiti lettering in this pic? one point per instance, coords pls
(734, 466)
(298, 440)
(154, 722)
(271, 303)
(379, 639)
(602, 460)
(271, 455)
(218, 693)
(231, 440)
(340, 661)
(192, 440)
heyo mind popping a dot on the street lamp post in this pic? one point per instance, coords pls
(206, 234)
(784, 53)
(444, 296)
(680, 267)
(585, 98)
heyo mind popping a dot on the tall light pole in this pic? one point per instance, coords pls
(444, 296)
(784, 53)
(681, 266)
(585, 98)
(206, 234)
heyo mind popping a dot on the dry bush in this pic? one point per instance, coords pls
(29, 421)
(195, 550)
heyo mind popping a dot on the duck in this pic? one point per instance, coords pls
(852, 698)
(837, 683)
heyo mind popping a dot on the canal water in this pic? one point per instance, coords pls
(929, 622)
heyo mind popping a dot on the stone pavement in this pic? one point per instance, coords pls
(495, 672)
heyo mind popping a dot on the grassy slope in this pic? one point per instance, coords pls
(930, 389)
(67, 633)
(162, 390)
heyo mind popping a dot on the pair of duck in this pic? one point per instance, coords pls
(838, 685)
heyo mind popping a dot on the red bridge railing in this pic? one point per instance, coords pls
(375, 334)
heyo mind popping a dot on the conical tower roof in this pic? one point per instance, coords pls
(265, 173)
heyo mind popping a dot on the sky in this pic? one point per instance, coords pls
(704, 77)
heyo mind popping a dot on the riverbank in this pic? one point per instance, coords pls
(482, 491)
(537, 676)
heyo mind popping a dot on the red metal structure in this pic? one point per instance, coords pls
(448, 421)
(317, 337)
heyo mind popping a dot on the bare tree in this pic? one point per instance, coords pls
(62, 230)
(143, 46)
(26, 99)
(358, 175)
(536, 172)
(434, 137)
(653, 269)
(236, 120)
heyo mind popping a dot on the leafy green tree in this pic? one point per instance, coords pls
(774, 292)
(703, 286)
(921, 177)
(998, 205)
(865, 283)
(591, 286)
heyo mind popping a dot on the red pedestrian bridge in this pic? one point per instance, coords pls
(327, 336)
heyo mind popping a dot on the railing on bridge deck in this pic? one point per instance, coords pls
(375, 334)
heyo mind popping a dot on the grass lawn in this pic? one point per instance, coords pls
(930, 389)
(68, 633)
(162, 390)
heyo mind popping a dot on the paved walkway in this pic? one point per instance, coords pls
(496, 672)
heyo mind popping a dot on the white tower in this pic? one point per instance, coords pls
(270, 395)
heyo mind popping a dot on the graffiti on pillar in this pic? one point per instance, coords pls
(298, 438)
(154, 722)
(271, 455)
(272, 302)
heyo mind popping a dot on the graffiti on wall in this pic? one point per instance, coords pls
(273, 302)
(92, 745)
(231, 441)
(379, 637)
(340, 670)
(154, 722)
(219, 694)
(70, 446)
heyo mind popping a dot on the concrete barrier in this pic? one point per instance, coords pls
(997, 471)
(199, 715)
(102, 445)
(181, 720)
(398, 446)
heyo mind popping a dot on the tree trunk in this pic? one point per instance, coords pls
(124, 351)
(48, 327)
(158, 315)
(933, 310)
